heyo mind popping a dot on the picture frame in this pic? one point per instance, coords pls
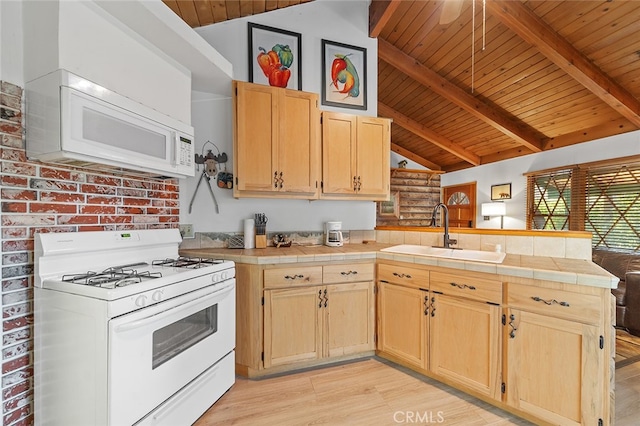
(501, 192)
(262, 43)
(344, 84)
(390, 207)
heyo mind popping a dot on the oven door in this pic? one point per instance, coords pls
(156, 351)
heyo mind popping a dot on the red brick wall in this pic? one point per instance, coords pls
(45, 198)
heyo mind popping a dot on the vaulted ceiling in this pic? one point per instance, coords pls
(474, 82)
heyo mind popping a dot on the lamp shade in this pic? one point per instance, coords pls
(494, 209)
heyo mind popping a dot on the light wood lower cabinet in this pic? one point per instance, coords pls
(404, 324)
(555, 343)
(293, 320)
(311, 314)
(465, 342)
(537, 348)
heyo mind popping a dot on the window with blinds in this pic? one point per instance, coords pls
(602, 198)
(612, 200)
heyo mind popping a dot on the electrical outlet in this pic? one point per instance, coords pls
(186, 230)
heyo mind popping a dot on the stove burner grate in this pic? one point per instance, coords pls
(186, 262)
(117, 276)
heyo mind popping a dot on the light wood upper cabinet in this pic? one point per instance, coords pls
(276, 142)
(355, 157)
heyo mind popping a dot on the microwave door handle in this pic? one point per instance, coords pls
(144, 321)
(174, 148)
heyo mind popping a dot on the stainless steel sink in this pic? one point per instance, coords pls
(447, 253)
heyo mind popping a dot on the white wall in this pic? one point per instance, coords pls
(11, 42)
(512, 171)
(345, 22)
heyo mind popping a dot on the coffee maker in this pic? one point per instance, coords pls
(333, 234)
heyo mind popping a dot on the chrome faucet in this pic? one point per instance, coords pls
(447, 241)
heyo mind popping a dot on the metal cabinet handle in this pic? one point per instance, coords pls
(463, 286)
(349, 273)
(433, 308)
(426, 305)
(293, 277)
(401, 275)
(549, 302)
(512, 333)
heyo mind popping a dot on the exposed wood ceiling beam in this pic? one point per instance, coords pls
(521, 20)
(616, 127)
(428, 134)
(414, 157)
(519, 131)
(380, 11)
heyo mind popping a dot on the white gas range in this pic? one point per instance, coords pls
(128, 332)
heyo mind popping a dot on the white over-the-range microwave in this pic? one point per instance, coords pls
(74, 121)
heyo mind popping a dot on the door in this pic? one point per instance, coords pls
(157, 350)
(338, 146)
(461, 202)
(544, 378)
(350, 318)
(293, 325)
(403, 318)
(298, 148)
(372, 156)
(256, 133)
(465, 343)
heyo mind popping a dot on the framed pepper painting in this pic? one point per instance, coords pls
(344, 75)
(275, 57)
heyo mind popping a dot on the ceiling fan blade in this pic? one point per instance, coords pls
(450, 11)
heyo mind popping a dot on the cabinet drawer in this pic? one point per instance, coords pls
(471, 288)
(585, 308)
(294, 276)
(403, 275)
(347, 273)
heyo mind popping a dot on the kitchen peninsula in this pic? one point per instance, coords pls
(532, 335)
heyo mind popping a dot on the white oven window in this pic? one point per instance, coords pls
(176, 337)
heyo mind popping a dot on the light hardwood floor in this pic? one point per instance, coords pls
(375, 392)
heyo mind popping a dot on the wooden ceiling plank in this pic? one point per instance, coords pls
(246, 8)
(426, 133)
(505, 155)
(204, 12)
(233, 9)
(188, 13)
(219, 10)
(532, 29)
(414, 157)
(380, 12)
(519, 131)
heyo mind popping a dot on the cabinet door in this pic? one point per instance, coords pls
(465, 343)
(338, 148)
(372, 157)
(298, 148)
(403, 317)
(256, 128)
(350, 318)
(292, 325)
(554, 368)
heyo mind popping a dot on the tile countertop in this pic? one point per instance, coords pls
(569, 271)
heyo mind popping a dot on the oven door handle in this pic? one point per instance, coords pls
(143, 321)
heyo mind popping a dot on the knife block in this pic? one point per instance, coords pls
(261, 241)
